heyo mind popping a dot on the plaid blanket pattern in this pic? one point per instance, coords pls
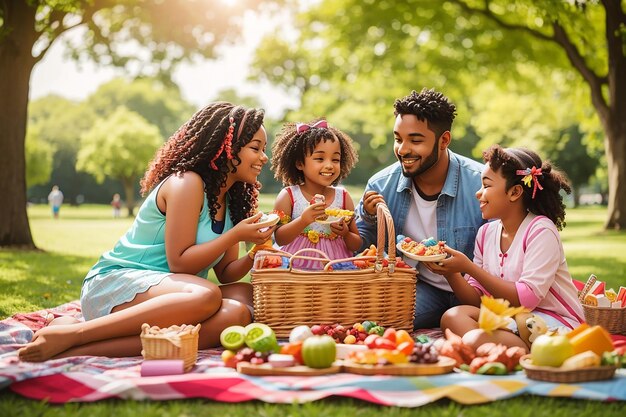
(87, 378)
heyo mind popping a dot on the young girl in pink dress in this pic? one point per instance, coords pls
(310, 160)
(520, 256)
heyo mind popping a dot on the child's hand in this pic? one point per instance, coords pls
(312, 212)
(457, 262)
(340, 227)
(370, 200)
(248, 230)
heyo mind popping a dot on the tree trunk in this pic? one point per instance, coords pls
(576, 195)
(614, 122)
(129, 191)
(615, 143)
(16, 63)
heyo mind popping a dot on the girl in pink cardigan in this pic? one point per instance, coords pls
(518, 257)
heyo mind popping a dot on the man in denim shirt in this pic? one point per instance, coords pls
(430, 191)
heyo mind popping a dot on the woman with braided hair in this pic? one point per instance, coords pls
(202, 193)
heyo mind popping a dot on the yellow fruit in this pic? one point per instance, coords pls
(393, 356)
(586, 359)
(227, 355)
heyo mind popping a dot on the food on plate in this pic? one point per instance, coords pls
(582, 360)
(319, 351)
(261, 338)
(232, 337)
(426, 247)
(335, 214)
(454, 347)
(344, 350)
(300, 333)
(594, 338)
(279, 360)
(318, 198)
(268, 219)
(551, 350)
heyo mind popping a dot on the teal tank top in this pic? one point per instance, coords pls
(143, 245)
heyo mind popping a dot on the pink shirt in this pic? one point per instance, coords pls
(536, 263)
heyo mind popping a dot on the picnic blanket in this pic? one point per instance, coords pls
(89, 378)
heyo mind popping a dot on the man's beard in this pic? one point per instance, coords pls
(427, 163)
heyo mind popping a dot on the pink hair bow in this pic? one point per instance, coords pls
(530, 176)
(303, 127)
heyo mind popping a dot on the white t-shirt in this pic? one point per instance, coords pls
(55, 198)
(421, 223)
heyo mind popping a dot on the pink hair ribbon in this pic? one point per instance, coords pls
(530, 176)
(303, 127)
(226, 145)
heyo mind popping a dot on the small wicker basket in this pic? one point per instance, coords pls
(612, 319)
(551, 374)
(174, 342)
(285, 298)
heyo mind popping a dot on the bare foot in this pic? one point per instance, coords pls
(49, 342)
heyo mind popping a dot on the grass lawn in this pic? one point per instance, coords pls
(70, 245)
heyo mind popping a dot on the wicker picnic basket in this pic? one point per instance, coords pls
(551, 374)
(174, 342)
(285, 298)
(612, 319)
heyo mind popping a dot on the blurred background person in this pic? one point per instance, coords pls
(55, 199)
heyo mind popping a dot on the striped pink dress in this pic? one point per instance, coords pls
(333, 246)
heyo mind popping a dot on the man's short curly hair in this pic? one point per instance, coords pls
(430, 106)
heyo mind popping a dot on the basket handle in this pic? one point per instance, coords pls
(297, 255)
(590, 281)
(353, 258)
(382, 213)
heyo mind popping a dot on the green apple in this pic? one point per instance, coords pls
(319, 351)
(551, 350)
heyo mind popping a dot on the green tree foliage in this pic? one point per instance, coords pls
(63, 121)
(158, 102)
(59, 123)
(526, 67)
(570, 154)
(166, 33)
(119, 146)
(38, 159)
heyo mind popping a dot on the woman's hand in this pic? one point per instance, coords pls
(312, 212)
(248, 230)
(370, 200)
(457, 262)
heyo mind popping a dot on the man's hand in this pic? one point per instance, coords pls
(370, 200)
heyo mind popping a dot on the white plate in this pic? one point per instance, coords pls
(271, 220)
(430, 258)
